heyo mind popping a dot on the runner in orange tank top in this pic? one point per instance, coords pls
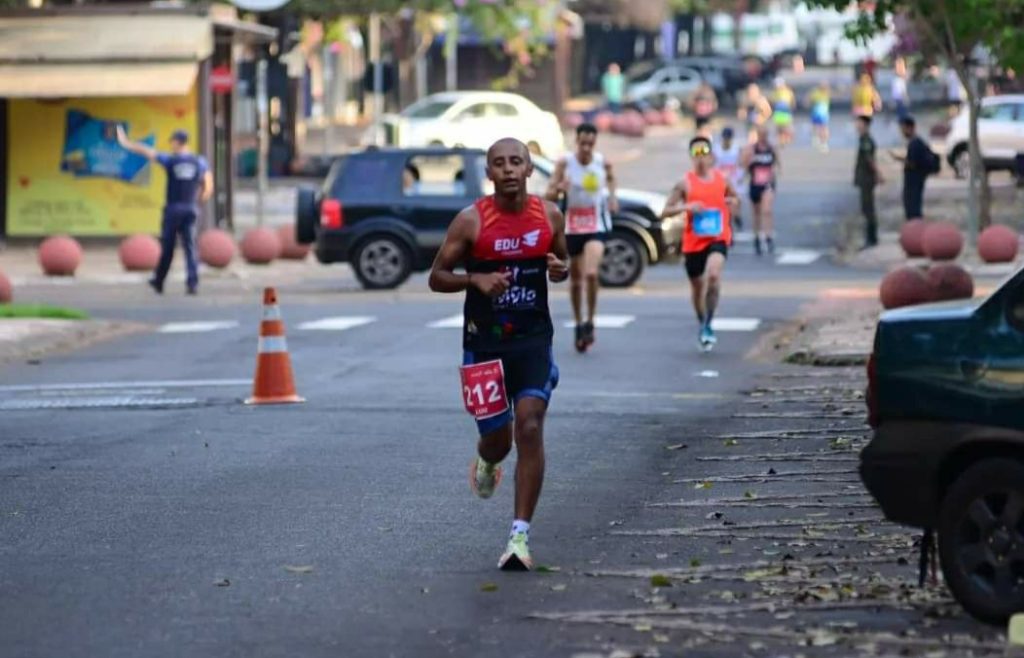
(708, 198)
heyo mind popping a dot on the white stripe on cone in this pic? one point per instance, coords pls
(272, 344)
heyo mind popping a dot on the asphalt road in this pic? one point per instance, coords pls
(144, 511)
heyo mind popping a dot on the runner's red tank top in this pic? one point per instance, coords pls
(517, 243)
(710, 194)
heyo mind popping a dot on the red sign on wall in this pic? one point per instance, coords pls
(222, 80)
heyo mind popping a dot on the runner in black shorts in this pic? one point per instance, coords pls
(762, 163)
(708, 198)
(510, 243)
(585, 182)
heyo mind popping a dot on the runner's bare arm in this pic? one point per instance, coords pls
(731, 197)
(456, 248)
(777, 167)
(613, 196)
(558, 270)
(134, 147)
(557, 184)
(677, 204)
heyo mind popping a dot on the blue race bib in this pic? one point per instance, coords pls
(708, 223)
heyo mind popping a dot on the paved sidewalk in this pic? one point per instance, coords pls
(31, 339)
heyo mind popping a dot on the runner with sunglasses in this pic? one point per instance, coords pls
(708, 198)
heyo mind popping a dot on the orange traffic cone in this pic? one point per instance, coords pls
(273, 383)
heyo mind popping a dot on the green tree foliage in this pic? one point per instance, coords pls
(954, 29)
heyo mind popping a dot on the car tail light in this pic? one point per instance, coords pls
(332, 215)
(871, 395)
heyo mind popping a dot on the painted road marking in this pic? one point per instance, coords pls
(450, 322)
(196, 327)
(607, 321)
(797, 257)
(95, 403)
(339, 323)
(95, 386)
(735, 324)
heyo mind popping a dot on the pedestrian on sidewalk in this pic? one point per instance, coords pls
(866, 100)
(188, 180)
(866, 176)
(919, 162)
(614, 86)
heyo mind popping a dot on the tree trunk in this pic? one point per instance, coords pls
(978, 192)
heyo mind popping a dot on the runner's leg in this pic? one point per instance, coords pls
(768, 217)
(698, 296)
(529, 438)
(494, 446)
(593, 252)
(713, 275)
(758, 207)
(576, 286)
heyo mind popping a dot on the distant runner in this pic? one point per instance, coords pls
(762, 163)
(588, 183)
(510, 243)
(727, 160)
(783, 106)
(755, 110)
(820, 102)
(707, 197)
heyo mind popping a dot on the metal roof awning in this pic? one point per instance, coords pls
(100, 38)
(68, 80)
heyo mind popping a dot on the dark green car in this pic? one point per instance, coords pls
(946, 399)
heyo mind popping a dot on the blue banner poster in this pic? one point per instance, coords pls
(91, 150)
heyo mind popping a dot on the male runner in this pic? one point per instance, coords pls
(588, 183)
(708, 197)
(762, 162)
(510, 243)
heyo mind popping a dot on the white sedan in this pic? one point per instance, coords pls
(474, 119)
(1000, 133)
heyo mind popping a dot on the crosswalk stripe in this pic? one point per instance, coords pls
(450, 322)
(339, 323)
(735, 324)
(797, 257)
(607, 321)
(196, 327)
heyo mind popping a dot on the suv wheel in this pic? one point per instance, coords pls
(381, 262)
(623, 262)
(981, 539)
(962, 162)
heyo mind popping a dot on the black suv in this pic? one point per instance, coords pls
(386, 212)
(946, 399)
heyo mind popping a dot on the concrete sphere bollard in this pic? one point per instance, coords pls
(998, 244)
(572, 120)
(291, 249)
(603, 121)
(905, 286)
(6, 289)
(260, 246)
(943, 241)
(654, 118)
(950, 281)
(139, 253)
(60, 255)
(912, 238)
(216, 247)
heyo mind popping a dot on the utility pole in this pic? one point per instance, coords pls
(451, 54)
(261, 137)
(378, 79)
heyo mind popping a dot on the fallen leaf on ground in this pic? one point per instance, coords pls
(543, 568)
(676, 446)
(305, 568)
(558, 588)
(703, 485)
(749, 494)
(489, 587)
(694, 562)
(659, 638)
(642, 628)
(223, 582)
(729, 443)
(660, 580)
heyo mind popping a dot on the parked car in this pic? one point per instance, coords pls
(1000, 133)
(474, 119)
(946, 400)
(387, 222)
(655, 85)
